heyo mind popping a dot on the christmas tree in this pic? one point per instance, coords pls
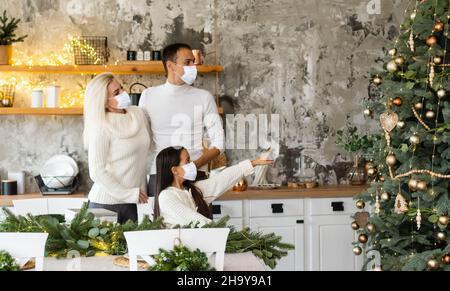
(407, 227)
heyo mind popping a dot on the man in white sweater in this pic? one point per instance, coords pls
(180, 114)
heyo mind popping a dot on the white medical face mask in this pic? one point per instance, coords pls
(190, 74)
(190, 172)
(123, 100)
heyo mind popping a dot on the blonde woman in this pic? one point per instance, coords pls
(118, 142)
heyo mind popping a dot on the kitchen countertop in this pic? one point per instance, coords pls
(251, 194)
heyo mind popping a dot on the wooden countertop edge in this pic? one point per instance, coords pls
(343, 191)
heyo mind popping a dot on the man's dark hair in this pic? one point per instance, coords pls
(170, 53)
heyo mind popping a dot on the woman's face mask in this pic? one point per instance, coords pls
(123, 100)
(190, 172)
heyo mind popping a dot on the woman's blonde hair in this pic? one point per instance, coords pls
(94, 105)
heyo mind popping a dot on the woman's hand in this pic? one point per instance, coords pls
(143, 198)
(260, 162)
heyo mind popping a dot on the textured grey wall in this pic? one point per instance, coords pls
(306, 60)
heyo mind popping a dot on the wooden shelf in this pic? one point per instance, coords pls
(40, 111)
(123, 69)
(50, 111)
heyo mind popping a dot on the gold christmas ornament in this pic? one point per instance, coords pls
(433, 264)
(370, 228)
(412, 184)
(362, 238)
(355, 225)
(382, 179)
(377, 80)
(391, 160)
(392, 67)
(431, 193)
(441, 236)
(419, 218)
(439, 26)
(430, 114)
(369, 165)
(418, 105)
(388, 121)
(401, 124)
(399, 61)
(357, 251)
(422, 186)
(411, 42)
(431, 40)
(397, 101)
(392, 52)
(443, 220)
(360, 204)
(367, 112)
(437, 60)
(371, 172)
(441, 93)
(385, 196)
(415, 139)
(446, 259)
(413, 15)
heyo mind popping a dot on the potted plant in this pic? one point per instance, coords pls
(8, 37)
(360, 145)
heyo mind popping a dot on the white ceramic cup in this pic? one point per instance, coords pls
(53, 96)
(37, 99)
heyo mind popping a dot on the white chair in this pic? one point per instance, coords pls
(147, 243)
(33, 206)
(25, 246)
(60, 205)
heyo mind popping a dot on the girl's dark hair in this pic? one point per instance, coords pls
(166, 159)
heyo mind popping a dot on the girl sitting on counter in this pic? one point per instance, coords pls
(180, 200)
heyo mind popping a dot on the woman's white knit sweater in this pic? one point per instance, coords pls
(118, 154)
(177, 206)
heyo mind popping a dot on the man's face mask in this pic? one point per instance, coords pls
(190, 74)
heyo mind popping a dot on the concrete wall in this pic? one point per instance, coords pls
(306, 60)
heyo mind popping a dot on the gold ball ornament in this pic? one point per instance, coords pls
(439, 26)
(362, 238)
(355, 225)
(421, 186)
(370, 228)
(431, 40)
(431, 193)
(443, 220)
(441, 236)
(382, 179)
(385, 196)
(391, 160)
(377, 80)
(397, 101)
(418, 105)
(357, 251)
(415, 139)
(412, 184)
(392, 52)
(369, 165)
(392, 67)
(437, 60)
(371, 172)
(413, 15)
(360, 204)
(399, 61)
(446, 259)
(433, 264)
(430, 114)
(441, 93)
(367, 112)
(401, 124)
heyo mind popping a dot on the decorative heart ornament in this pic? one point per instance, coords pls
(362, 218)
(389, 121)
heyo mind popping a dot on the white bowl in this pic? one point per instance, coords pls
(64, 159)
(57, 174)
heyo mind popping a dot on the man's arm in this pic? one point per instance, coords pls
(213, 125)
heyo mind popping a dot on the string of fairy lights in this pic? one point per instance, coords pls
(64, 56)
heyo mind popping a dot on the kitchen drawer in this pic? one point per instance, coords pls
(230, 208)
(331, 206)
(276, 208)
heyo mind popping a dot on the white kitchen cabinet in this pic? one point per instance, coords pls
(234, 209)
(291, 229)
(329, 235)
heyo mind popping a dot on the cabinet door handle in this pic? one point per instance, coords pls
(277, 208)
(337, 206)
(216, 209)
(300, 221)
